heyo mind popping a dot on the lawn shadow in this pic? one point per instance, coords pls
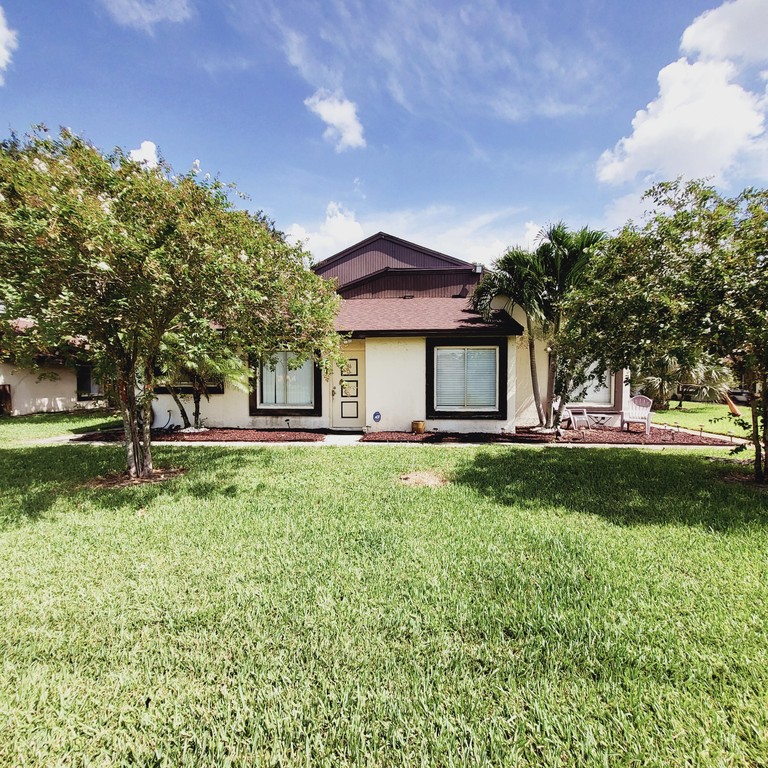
(35, 478)
(626, 487)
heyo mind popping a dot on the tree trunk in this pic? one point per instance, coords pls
(759, 475)
(196, 397)
(182, 410)
(535, 373)
(762, 460)
(551, 377)
(146, 465)
(135, 442)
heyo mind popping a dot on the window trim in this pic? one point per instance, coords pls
(498, 413)
(185, 388)
(610, 386)
(256, 408)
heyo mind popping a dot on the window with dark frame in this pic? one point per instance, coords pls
(278, 389)
(467, 379)
(87, 387)
(184, 387)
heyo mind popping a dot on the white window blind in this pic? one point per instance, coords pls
(281, 386)
(466, 378)
(593, 392)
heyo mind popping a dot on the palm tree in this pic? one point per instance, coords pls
(565, 257)
(519, 275)
(538, 281)
(209, 361)
(710, 377)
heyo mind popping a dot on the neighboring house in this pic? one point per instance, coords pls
(52, 387)
(416, 353)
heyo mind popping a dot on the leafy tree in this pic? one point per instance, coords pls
(539, 282)
(113, 256)
(692, 279)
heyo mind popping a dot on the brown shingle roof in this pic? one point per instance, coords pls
(419, 317)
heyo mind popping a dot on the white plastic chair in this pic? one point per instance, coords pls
(577, 416)
(638, 412)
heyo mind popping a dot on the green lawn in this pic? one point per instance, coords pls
(18, 430)
(301, 606)
(712, 417)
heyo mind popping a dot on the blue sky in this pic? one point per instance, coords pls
(462, 126)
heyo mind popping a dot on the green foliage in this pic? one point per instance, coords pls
(539, 282)
(108, 255)
(692, 280)
(709, 378)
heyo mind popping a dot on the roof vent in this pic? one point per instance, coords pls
(408, 296)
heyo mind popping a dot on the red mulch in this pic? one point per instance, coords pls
(123, 480)
(607, 436)
(216, 435)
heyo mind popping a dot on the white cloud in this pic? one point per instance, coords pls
(698, 126)
(8, 44)
(626, 207)
(144, 14)
(340, 115)
(146, 154)
(735, 30)
(480, 237)
(339, 230)
(478, 57)
(707, 120)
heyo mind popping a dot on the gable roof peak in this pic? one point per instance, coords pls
(398, 240)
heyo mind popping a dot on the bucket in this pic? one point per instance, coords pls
(418, 427)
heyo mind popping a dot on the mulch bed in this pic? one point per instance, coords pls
(216, 435)
(123, 480)
(607, 436)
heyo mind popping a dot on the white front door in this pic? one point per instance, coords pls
(348, 390)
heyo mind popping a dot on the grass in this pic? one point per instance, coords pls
(18, 430)
(714, 417)
(301, 606)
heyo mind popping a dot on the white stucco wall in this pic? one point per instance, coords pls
(395, 375)
(395, 386)
(29, 394)
(231, 409)
(396, 371)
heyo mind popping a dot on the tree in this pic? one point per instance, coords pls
(539, 282)
(708, 377)
(519, 275)
(112, 256)
(692, 279)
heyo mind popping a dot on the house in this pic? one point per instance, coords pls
(415, 351)
(52, 387)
